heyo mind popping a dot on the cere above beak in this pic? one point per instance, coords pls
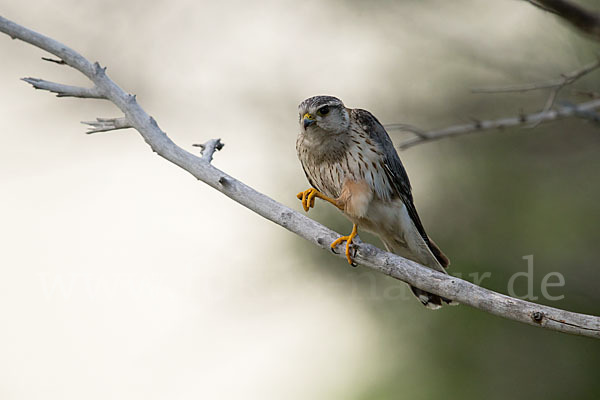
(308, 119)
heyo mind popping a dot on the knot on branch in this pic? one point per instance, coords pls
(98, 69)
(208, 149)
(537, 316)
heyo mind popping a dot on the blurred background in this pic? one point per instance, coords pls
(123, 277)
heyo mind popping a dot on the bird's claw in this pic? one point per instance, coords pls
(308, 198)
(349, 245)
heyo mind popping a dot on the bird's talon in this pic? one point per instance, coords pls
(305, 198)
(349, 245)
(308, 198)
(354, 250)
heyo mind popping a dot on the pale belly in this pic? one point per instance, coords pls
(391, 222)
(385, 218)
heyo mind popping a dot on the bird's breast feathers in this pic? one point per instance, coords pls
(360, 161)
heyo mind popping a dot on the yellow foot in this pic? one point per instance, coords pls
(348, 240)
(308, 198)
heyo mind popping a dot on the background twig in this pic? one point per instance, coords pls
(564, 80)
(580, 110)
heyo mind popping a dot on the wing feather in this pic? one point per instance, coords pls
(397, 175)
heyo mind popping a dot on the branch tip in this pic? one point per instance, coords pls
(98, 69)
(53, 60)
(107, 124)
(65, 90)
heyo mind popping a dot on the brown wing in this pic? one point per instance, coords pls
(397, 176)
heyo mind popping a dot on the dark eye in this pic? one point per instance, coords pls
(323, 110)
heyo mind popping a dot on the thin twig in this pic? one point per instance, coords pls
(390, 264)
(564, 80)
(530, 120)
(65, 90)
(408, 128)
(555, 86)
(107, 124)
(564, 111)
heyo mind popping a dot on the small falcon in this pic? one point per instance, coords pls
(350, 161)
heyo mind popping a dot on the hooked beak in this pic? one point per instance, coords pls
(308, 120)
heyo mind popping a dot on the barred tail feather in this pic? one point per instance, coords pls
(430, 300)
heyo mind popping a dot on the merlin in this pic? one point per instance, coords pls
(350, 162)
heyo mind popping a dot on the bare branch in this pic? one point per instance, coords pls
(581, 110)
(564, 80)
(555, 86)
(584, 110)
(65, 90)
(408, 128)
(208, 149)
(585, 20)
(590, 115)
(107, 124)
(390, 264)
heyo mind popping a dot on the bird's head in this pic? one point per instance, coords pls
(323, 115)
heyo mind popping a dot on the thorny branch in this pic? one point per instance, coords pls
(367, 255)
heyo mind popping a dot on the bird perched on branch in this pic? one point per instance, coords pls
(350, 161)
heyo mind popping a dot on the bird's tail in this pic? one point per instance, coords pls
(430, 300)
(435, 259)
